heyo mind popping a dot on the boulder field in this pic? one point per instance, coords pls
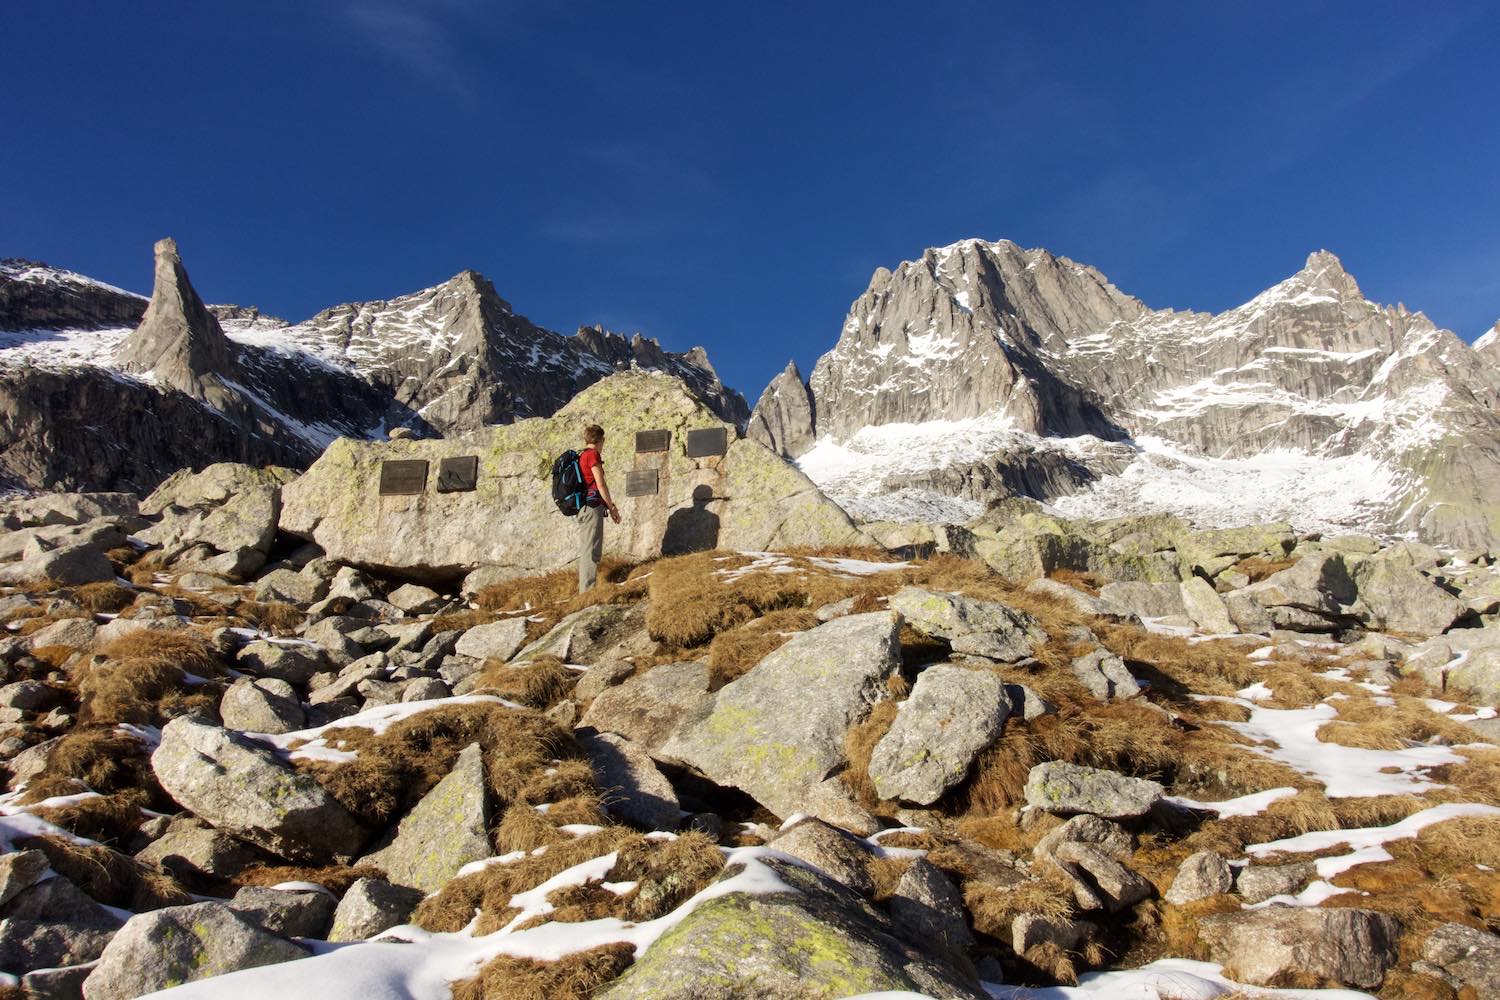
(237, 724)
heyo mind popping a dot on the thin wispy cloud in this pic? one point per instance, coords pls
(420, 37)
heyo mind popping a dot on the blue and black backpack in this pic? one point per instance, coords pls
(568, 489)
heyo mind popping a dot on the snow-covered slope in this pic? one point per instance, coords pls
(1308, 400)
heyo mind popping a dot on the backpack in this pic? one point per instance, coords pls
(568, 489)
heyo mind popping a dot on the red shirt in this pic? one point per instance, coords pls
(588, 460)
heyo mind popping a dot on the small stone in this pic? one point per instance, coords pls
(1063, 788)
(1470, 956)
(415, 599)
(498, 640)
(1202, 874)
(295, 664)
(1105, 676)
(264, 705)
(1109, 837)
(1265, 946)
(633, 787)
(953, 713)
(1099, 877)
(370, 907)
(1258, 883)
(425, 689)
(288, 912)
(929, 908)
(830, 850)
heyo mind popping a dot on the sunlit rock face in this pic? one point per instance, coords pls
(1053, 362)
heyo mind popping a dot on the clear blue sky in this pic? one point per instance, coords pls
(730, 174)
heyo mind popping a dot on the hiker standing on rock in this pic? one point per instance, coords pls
(596, 502)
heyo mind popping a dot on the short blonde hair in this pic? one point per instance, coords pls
(593, 434)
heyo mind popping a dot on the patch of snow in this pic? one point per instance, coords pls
(1290, 736)
(1164, 979)
(1312, 492)
(1246, 805)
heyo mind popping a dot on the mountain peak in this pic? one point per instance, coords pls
(179, 341)
(1325, 271)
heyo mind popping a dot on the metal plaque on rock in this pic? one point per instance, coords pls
(640, 483)
(652, 440)
(458, 475)
(707, 442)
(403, 478)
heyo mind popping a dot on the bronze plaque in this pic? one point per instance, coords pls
(640, 483)
(707, 442)
(458, 475)
(403, 478)
(652, 440)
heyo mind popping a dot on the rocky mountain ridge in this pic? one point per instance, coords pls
(1051, 357)
(178, 383)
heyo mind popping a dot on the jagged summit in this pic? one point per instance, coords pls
(783, 418)
(1342, 411)
(179, 342)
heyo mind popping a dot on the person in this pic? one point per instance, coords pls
(596, 502)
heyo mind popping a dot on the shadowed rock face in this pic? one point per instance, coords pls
(35, 296)
(990, 328)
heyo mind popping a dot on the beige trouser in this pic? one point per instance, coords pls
(590, 545)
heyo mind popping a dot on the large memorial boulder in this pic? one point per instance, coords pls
(746, 498)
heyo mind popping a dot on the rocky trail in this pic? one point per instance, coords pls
(1026, 759)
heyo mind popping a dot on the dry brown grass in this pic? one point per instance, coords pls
(54, 656)
(886, 873)
(1475, 780)
(143, 679)
(1001, 832)
(667, 873)
(859, 747)
(550, 597)
(1087, 582)
(396, 768)
(992, 908)
(276, 617)
(462, 621)
(22, 614)
(732, 654)
(112, 878)
(1219, 668)
(692, 600)
(1258, 568)
(540, 682)
(575, 977)
(488, 891)
(106, 597)
(105, 760)
(335, 878)
(109, 819)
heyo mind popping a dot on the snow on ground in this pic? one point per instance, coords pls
(54, 349)
(1314, 493)
(1290, 736)
(1368, 848)
(1164, 979)
(412, 964)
